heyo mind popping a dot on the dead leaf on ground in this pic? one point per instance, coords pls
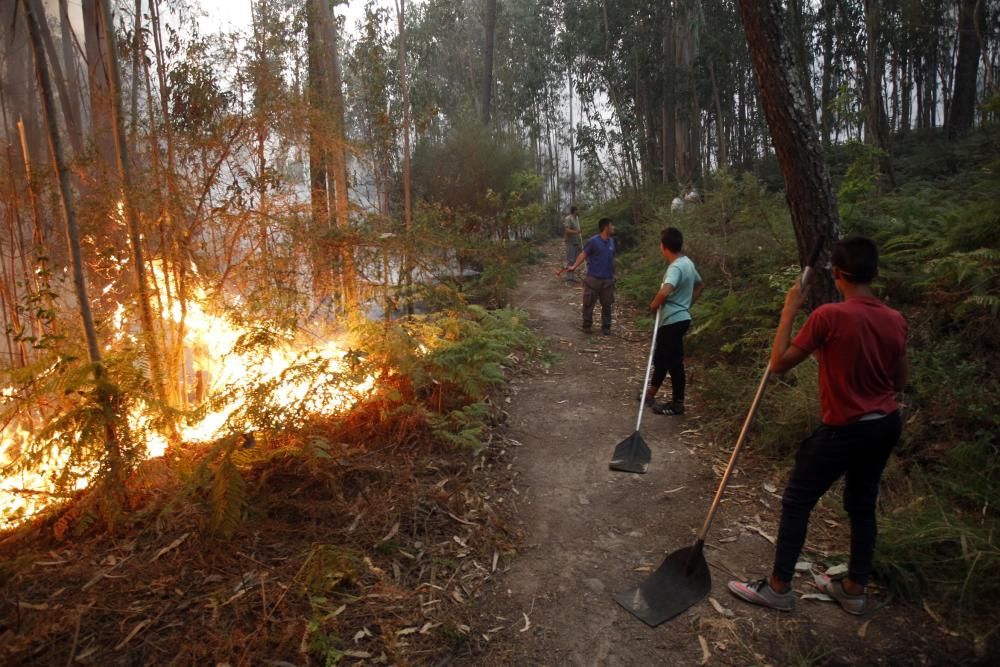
(138, 626)
(760, 531)
(728, 613)
(863, 630)
(173, 545)
(527, 623)
(705, 653)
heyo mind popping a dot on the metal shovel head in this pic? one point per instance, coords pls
(631, 455)
(681, 580)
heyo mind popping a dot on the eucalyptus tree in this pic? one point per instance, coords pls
(796, 143)
(489, 44)
(128, 193)
(106, 393)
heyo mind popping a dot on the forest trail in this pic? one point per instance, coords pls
(590, 532)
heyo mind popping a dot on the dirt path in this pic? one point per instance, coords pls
(591, 532)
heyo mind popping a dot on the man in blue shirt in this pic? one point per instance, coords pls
(680, 288)
(599, 285)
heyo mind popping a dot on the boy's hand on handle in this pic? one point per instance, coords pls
(794, 298)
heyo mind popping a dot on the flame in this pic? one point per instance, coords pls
(214, 359)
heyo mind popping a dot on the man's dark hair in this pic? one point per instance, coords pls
(856, 258)
(672, 239)
(572, 209)
(602, 223)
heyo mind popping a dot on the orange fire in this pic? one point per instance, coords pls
(213, 354)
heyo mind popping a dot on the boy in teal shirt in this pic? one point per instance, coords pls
(681, 287)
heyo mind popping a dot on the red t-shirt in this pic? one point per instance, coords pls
(860, 344)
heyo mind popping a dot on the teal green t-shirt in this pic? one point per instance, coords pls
(683, 276)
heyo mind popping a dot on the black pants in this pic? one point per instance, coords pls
(668, 357)
(594, 290)
(858, 452)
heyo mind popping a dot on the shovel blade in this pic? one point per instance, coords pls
(631, 455)
(681, 580)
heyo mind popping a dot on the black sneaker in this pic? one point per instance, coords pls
(587, 330)
(669, 409)
(606, 332)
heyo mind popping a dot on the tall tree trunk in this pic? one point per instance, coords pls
(131, 212)
(70, 117)
(489, 45)
(807, 181)
(685, 40)
(572, 141)
(102, 129)
(338, 163)
(877, 125)
(70, 68)
(106, 393)
(720, 126)
(802, 54)
(667, 111)
(318, 154)
(826, 92)
(405, 93)
(963, 101)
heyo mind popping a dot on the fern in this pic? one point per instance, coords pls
(228, 497)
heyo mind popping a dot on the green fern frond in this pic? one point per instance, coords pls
(228, 498)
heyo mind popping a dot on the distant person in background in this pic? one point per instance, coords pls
(681, 287)
(688, 196)
(691, 195)
(599, 285)
(572, 239)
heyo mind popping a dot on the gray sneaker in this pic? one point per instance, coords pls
(852, 604)
(760, 592)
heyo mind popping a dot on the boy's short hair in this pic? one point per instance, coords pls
(856, 258)
(602, 223)
(672, 239)
(572, 209)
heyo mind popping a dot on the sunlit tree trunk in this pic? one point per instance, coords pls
(131, 213)
(338, 163)
(807, 182)
(106, 393)
(405, 93)
(318, 154)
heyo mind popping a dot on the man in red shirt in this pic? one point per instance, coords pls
(860, 344)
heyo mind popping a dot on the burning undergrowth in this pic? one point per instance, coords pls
(358, 534)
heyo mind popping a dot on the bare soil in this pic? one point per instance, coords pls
(590, 532)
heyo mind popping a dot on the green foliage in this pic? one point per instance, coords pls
(938, 241)
(927, 548)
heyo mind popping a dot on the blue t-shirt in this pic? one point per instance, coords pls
(683, 276)
(600, 257)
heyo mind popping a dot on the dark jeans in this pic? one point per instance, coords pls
(594, 290)
(668, 357)
(858, 452)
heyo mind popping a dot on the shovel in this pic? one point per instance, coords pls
(632, 454)
(683, 577)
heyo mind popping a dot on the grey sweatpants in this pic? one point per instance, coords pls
(594, 290)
